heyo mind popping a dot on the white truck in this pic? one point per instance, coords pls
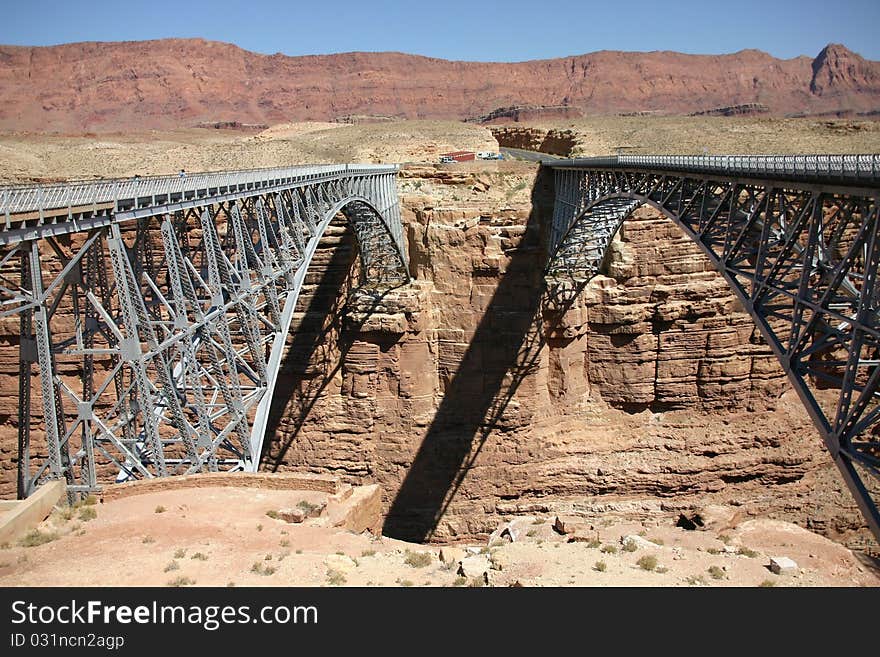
(489, 155)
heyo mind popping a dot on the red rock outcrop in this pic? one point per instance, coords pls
(186, 82)
(842, 74)
(528, 113)
(556, 141)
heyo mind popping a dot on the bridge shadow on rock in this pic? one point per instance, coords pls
(505, 349)
(312, 361)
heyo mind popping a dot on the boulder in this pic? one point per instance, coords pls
(451, 555)
(568, 524)
(477, 565)
(512, 531)
(783, 566)
(293, 515)
(641, 543)
(340, 562)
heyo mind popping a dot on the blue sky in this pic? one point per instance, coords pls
(477, 30)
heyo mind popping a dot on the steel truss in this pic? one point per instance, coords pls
(801, 255)
(154, 313)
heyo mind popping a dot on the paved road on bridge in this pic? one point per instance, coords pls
(531, 156)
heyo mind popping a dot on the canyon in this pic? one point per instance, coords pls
(475, 394)
(175, 83)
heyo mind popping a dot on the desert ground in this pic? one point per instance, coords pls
(233, 537)
(26, 157)
(31, 157)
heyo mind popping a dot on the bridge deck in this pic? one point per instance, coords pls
(847, 170)
(34, 211)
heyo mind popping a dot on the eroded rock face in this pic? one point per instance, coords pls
(555, 141)
(472, 395)
(840, 72)
(173, 83)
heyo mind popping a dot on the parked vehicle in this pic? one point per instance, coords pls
(459, 156)
(445, 159)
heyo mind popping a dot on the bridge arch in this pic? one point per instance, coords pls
(803, 263)
(173, 297)
(383, 266)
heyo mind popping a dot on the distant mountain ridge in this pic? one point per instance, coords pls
(174, 83)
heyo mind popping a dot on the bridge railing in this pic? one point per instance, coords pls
(54, 196)
(852, 169)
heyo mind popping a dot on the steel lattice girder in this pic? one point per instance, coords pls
(157, 330)
(802, 258)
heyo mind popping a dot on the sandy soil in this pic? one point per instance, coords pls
(222, 536)
(28, 157)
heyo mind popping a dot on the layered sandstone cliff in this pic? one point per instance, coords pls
(188, 82)
(473, 394)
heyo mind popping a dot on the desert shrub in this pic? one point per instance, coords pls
(159, 509)
(308, 507)
(335, 577)
(417, 559)
(272, 513)
(182, 581)
(172, 566)
(36, 537)
(65, 514)
(260, 569)
(199, 556)
(600, 566)
(609, 549)
(647, 562)
(630, 546)
(715, 572)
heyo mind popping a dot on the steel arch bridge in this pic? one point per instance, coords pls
(153, 312)
(798, 240)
